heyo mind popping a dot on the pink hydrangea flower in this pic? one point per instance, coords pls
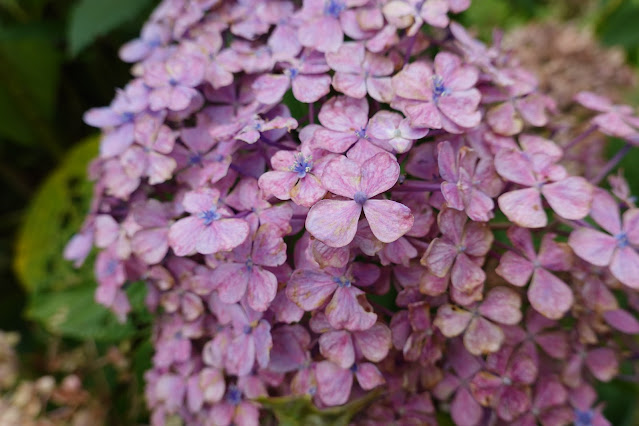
(439, 98)
(614, 120)
(471, 182)
(616, 248)
(296, 176)
(173, 81)
(334, 222)
(534, 168)
(501, 305)
(344, 121)
(392, 132)
(210, 227)
(334, 383)
(358, 72)
(547, 294)
(459, 251)
(348, 308)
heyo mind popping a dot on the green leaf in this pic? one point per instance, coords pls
(55, 213)
(619, 26)
(300, 411)
(30, 65)
(93, 18)
(73, 313)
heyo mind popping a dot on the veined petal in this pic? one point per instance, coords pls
(549, 295)
(388, 220)
(334, 222)
(569, 198)
(524, 208)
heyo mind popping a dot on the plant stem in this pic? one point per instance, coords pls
(614, 162)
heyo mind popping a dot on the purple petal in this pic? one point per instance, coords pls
(334, 222)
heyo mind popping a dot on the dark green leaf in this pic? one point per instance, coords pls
(93, 18)
(30, 68)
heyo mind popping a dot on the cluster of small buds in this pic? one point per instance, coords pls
(316, 195)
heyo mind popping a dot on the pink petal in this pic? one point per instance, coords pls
(353, 85)
(380, 88)
(451, 320)
(310, 289)
(337, 346)
(388, 220)
(622, 320)
(439, 257)
(222, 235)
(374, 343)
(461, 107)
(602, 363)
(344, 114)
(631, 225)
(342, 176)
(278, 183)
(592, 246)
(466, 275)
(424, 114)
(569, 198)
(625, 266)
(368, 376)
(409, 83)
(308, 191)
(310, 88)
(183, 235)
(464, 409)
(333, 383)
(483, 337)
(549, 295)
(379, 174)
(524, 208)
(349, 309)
(503, 305)
(240, 355)
(231, 280)
(334, 222)
(262, 287)
(514, 269)
(324, 34)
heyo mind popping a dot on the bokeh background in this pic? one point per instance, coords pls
(59, 57)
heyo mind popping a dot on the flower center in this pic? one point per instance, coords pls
(622, 239)
(583, 418)
(302, 165)
(439, 89)
(342, 281)
(234, 395)
(209, 216)
(110, 267)
(195, 159)
(249, 264)
(333, 8)
(293, 72)
(361, 133)
(360, 197)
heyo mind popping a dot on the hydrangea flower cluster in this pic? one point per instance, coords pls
(338, 196)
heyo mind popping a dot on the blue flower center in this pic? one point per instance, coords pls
(361, 133)
(128, 117)
(209, 216)
(110, 267)
(302, 165)
(173, 82)
(333, 8)
(195, 159)
(360, 197)
(247, 329)
(342, 281)
(622, 239)
(353, 368)
(439, 89)
(249, 264)
(583, 418)
(293, 72)
(234, 395)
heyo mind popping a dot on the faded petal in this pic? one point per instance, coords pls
(524, 208)
(569, 198)
(388, 220)
(549, 295)
(334, 222)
